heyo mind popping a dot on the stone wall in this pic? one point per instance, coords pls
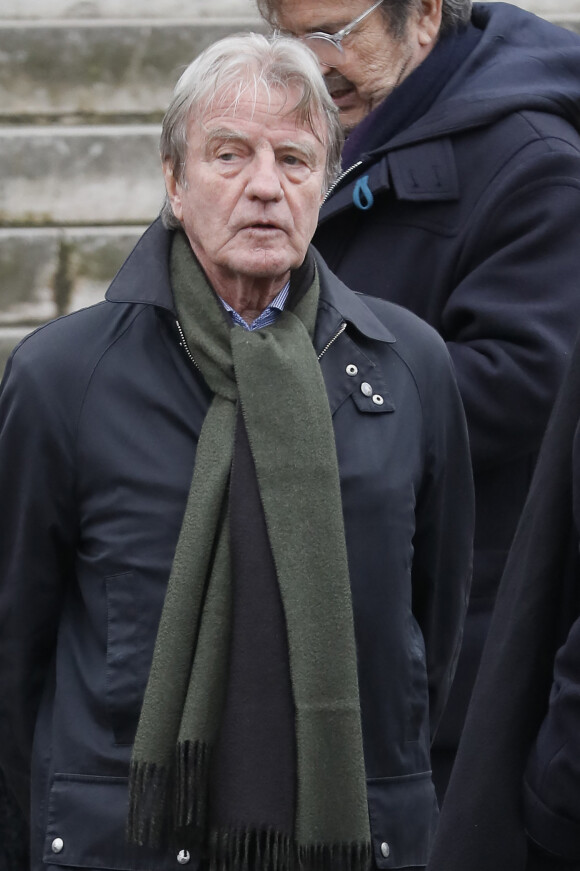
(83, 87)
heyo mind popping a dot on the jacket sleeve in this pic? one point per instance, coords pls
(552, 778)
(38, 532)
(443, 541)
(512, 317)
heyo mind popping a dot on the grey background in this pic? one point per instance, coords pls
(83, 87)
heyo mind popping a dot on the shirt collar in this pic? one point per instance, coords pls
(279, 301)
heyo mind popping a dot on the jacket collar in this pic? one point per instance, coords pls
(144, 276)
(144, 279)
(340, 304)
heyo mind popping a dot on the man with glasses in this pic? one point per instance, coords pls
(460, 200)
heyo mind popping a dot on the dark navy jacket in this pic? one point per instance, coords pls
(100, 413)
(475, 226)
(513, 802)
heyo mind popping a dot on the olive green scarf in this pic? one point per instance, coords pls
(274, 375)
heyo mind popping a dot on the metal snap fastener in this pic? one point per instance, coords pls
(183, 857)
(351, 369)
(385, 850)
(378, 399)
(366, 388)
(57, 845)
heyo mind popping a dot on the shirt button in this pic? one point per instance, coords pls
(57, 845)
(366, 389)
(385, 850)
(378, 399)
(351, 369)
(183, 857)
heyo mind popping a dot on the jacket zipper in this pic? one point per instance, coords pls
(334, 338)
(185, 346)
(342, 176)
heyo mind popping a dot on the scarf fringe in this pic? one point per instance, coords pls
(166, 799)
(335, 857)
(269, 850)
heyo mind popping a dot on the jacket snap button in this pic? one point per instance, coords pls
(183, 857)
(366, 388)
(378, 399)
(351, 369)
(385, 850)
(57, 845)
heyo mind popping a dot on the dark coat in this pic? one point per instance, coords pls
(474, 227)
(518, 764)
(100, 413)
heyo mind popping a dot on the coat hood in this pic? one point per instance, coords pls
(521, 62)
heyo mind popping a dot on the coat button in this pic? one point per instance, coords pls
(385, 850)
(183, 857)
(351, 369)
(57, 845)
(366, 389)
(378, 399)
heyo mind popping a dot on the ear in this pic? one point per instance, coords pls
(429, 22)
(174, 190)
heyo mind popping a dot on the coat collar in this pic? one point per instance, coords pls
(344, 305)
(144, 279)
(144, 276)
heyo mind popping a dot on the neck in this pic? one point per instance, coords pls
(249, 297)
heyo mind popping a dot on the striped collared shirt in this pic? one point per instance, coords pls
(268, 316)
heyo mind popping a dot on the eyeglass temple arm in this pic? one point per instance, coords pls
(346, 30)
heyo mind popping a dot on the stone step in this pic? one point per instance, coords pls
(79, 175)
(95, 71)
(569, 20)
(30, 9)
(48, 272)
(75, 71)
(45, 273)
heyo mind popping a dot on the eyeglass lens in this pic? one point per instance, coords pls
(327, 52)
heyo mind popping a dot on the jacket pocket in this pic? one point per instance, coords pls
(86, 828)
(128, 659)
(403, 815)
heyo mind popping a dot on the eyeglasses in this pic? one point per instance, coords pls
(328, 46)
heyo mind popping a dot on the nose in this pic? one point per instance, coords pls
(264, 180)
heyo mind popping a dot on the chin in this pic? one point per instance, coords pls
(268, 265)
(351, 119)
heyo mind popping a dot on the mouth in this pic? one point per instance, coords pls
(340, 89)
(263, 227)
(343, 97)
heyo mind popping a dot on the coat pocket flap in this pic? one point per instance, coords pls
(86, 828)
(403, 815)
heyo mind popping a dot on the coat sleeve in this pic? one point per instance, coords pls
(38, 532)
(552, 778)
(512, 317)
(443, 540)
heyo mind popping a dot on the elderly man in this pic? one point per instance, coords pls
(237, 523)
(460, 200)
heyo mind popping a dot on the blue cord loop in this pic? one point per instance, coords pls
(362, 195)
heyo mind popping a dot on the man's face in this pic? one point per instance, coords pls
(372, 64)
(252, 187)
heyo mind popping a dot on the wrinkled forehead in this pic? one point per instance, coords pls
(253, 97)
